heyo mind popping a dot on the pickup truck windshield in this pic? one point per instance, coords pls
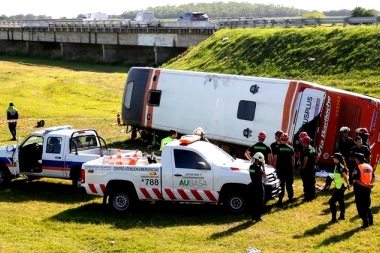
(217, 155)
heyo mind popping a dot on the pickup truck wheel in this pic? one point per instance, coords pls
(5, 177)
(75, 179)
(235, 202)
(120, 201)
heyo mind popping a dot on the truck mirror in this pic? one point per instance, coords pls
(202, 166)
(10, 148)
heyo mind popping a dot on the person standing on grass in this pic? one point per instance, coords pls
(309, 158)
(341, 184)
(284, 162)
(12, 114)
(364, 178)
(277, 142)
(257, 172)
(260, 146)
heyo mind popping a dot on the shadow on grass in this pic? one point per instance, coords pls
(161, 214)
(73, 65)
(232, 230)
(339, 238)
(22, 190)
(314, 231)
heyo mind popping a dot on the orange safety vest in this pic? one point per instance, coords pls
(366, 172)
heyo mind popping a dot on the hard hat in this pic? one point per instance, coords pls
(302, 134)
(362, 130)
(278, 133)
(262, 135)
(306, 139)
(199, 131)
(344, 129)
(259, 156)
(284, 137)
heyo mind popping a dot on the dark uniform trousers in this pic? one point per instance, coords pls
(258, 197)
(338, 196)
(363, 204)
(286, 181)
(12, 129)
(308, 180)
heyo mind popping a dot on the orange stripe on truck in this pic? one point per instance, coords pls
(288, 106)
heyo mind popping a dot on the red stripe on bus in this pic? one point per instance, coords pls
(143, 120)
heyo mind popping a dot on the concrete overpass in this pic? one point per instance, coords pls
(109, 41)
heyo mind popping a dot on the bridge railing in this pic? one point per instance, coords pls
(243, 22)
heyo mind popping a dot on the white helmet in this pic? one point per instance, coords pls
(259, 156)
(199, 131)
(344, 129)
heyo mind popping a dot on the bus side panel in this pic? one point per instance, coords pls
(140, 77)
(194, 99)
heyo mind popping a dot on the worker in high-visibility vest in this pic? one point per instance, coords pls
(172, 136)
(341, 184)
(12, 116)
(363, 177)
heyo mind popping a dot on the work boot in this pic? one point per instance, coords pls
(279, 202)
(341, 217)
(333, 220)
(370, 221)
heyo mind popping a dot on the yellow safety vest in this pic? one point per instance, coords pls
(338, 178)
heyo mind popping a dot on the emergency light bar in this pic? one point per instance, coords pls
(51, 129)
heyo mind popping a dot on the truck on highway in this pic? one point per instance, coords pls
(233, 109)
(55, 152)
(194, 172)
(95, 16)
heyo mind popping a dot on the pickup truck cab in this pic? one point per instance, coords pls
(56, 152)
(195, 172)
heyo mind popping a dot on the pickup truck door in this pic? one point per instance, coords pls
(52, 157)
(193, 178)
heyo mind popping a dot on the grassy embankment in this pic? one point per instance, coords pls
(45, 216)
(346, 58)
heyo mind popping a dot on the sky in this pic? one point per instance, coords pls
(71, 8)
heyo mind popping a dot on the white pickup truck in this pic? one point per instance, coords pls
(56, 152)
(196, 172)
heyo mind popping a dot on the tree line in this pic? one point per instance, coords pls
(219, 9)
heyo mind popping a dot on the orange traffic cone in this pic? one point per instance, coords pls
(110, 161)
(134, 158)
(118, 158)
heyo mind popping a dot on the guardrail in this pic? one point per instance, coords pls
(299, 22)
(110, 25)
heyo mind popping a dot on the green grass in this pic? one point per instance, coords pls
(347, 58)
(46, 216)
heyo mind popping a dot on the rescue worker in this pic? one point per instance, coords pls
(344, 145)
(277, 142)
(260, 146)
(341, 184)
(199, 131)
(297, 145)
(363, 149)
(256, 172)
(12, 114)
(363, 133)
(309, 158)
(172, 136)
(284, 163)
(363, 183)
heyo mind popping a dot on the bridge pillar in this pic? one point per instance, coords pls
(163, 54)
(73, 51)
